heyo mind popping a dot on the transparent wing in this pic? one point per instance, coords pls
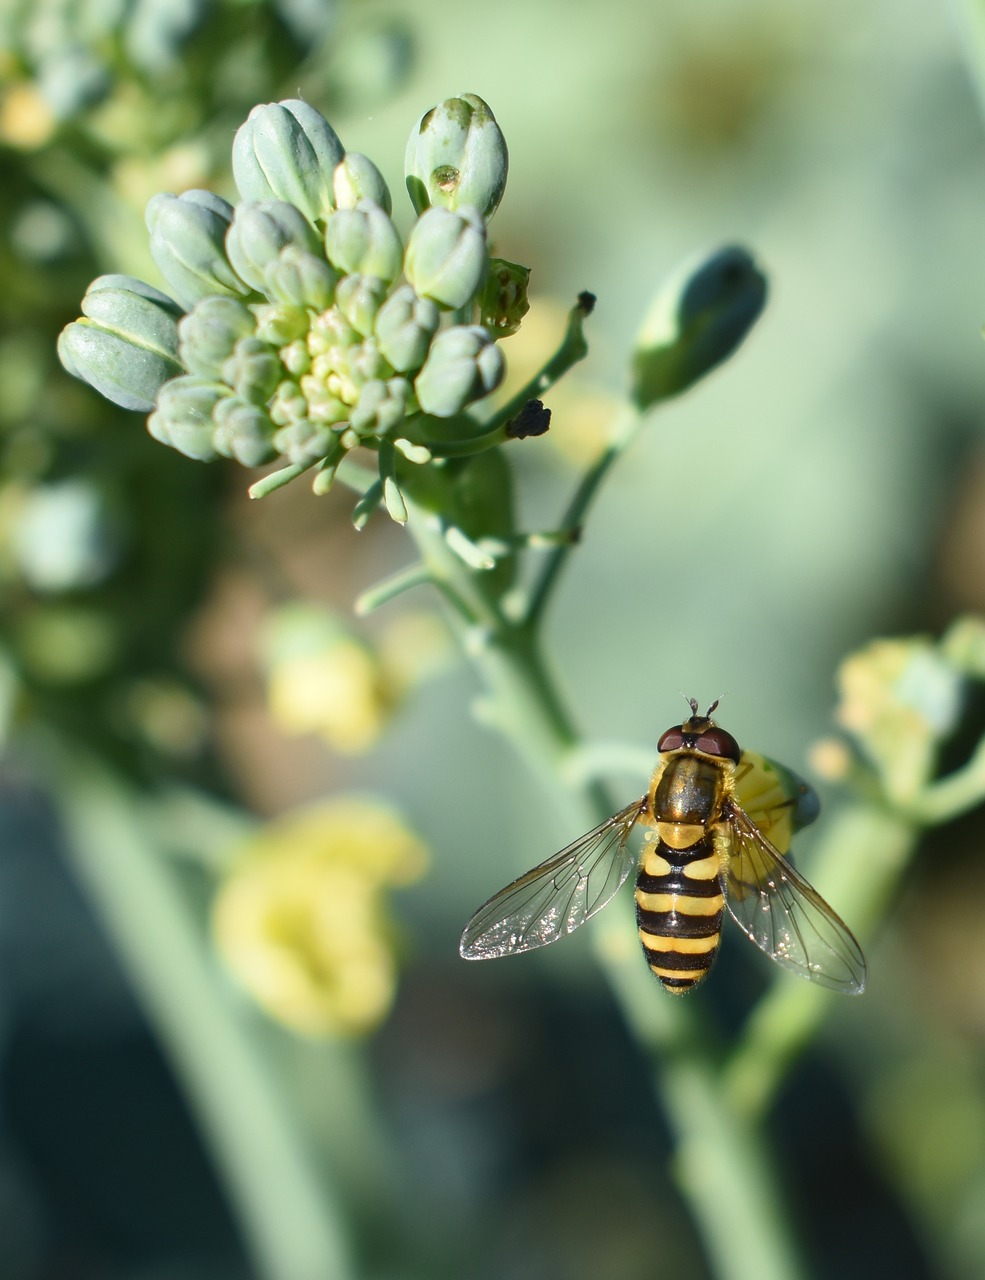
(557, 896)
(784, 916)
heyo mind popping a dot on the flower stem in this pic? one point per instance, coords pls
(722, 1165)
(291, 1222)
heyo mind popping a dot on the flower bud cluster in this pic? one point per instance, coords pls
(302, 325)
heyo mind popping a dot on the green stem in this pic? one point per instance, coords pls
(862, 835)
(969, 18)
(623, 435)
(291, 1222)
(722, 1166)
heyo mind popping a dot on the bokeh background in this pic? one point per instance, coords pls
(825, 487)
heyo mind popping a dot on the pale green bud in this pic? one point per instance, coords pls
(463, 365)
(696, 321)
(253, 370)
(258, 234)
(300, 278)
(357, 178)
(446, 256)
(288, 404)
(322, 403)
(126, 344)
(288, 151)
(364, 241)
(183, 418)
(207, 335)
(456, 157)
(305, 441)
(503, 298)
(187, 243)
(243, 431)
(366, 364)
(381, 406)
(280, 324)
(404, 328)
(359, 299)
(296, 358)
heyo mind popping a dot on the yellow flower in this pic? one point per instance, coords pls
(322, 679)
(301, 919)
(900, 699)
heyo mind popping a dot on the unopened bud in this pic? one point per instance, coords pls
(126, 344)
(187, 243)
(288, 151)
(446, 256)
(456, 157)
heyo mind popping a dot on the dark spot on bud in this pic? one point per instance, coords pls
(426, 119)
(586, 302)
(532, 420)
(446, 178)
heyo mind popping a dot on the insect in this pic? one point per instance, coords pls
(719, 822)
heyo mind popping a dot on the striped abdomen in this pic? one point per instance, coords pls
(679, 908)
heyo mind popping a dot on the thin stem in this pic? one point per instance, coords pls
(623, 435)
(290, 1221)
(722, 1166)
(788, 1018)
(969, 18)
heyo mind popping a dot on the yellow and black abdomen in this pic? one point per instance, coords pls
(679, 908)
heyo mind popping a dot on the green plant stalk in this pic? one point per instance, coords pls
(291, 1222)
(722, 1165)
(863, 837)
(969, 20)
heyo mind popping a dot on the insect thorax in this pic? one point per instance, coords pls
(687, 793)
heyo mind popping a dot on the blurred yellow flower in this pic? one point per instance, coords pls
(338, 693)
(322, 679)
(899, 699)
(301, 919)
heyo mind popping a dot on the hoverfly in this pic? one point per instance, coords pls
(719, 822)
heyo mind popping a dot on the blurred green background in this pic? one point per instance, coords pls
(826, 486)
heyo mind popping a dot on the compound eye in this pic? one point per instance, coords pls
(716, 742)
(672, 739)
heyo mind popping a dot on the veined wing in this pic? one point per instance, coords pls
(774, 905)
(556, 897)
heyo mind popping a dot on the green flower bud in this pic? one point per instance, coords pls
(243, 432)
(366, 364)
(696, 321)
(329, 331)
(287, 404)
(305, 442)
(126, 344)
(364, 241)
(503, 298)
(446, 256)
(300, 278)
(463, 365)
(183, 418)
(296, 358)
(187, 235)
(258, 234)
(359, 299)
(280, 324)
(404, 328)
(456, 156)
(253, 370)
(288, 151)
(322, 402)
(207, 335)
(381, 406)
(357, 178)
